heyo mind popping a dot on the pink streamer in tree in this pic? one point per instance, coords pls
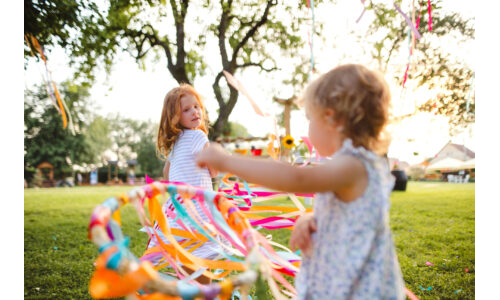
(406, 74)
(430, 16)
(408, 21)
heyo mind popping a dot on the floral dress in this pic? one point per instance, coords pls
(353, 255)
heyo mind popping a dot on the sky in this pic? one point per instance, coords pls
(139, 94)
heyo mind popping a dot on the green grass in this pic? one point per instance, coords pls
(434, 222)
(431, 222)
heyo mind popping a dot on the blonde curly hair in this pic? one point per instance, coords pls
(360, 98)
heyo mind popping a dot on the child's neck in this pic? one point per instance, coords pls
(337, 142)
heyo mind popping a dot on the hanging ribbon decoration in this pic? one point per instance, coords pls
(310, 4)
(408, 21)
(51, 87)
(47, 85)
(429, 8)
(414, 31)
(235, 83)
(363, 12)
(409, 59)
(419, 14)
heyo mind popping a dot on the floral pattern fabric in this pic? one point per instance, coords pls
(353, 255)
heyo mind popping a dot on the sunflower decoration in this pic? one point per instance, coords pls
(288, 142)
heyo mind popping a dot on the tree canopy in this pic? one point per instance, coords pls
(245, 34)
(431, 64)
(54, 22)
(45, 139)
(234, 35)
(44, 136)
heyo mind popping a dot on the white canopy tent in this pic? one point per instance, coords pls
(447, 163)
(469, 164)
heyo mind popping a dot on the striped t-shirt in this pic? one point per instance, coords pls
(182, 160)
(183, 168)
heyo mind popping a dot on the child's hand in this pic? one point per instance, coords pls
(212, 157)
(301, 235)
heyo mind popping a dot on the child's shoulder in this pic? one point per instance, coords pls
(195, 135)
(366, 160)
(348, 149)
(193, 132)
(195, 138)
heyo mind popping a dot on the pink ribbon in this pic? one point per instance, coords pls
(309, 147)
(406, 74)
(410, 23)
(275, 222)
(430, 16)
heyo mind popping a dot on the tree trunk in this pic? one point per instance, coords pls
(180, 75)
(286, 116)
(225, 110)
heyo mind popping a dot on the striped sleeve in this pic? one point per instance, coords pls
(199, 141)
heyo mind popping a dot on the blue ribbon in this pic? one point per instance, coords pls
(122, 251)
(111, 203)
(181, 212)
(187, 291)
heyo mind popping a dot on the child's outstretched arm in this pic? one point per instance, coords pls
(213, 172)
(340, 173)
(166, 169)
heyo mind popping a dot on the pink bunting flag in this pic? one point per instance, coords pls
(429, 264)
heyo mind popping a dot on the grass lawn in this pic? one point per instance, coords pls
(431, 222)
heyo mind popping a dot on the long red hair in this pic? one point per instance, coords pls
(170, 127)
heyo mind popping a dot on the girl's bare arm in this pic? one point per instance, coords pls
(340, 173)
(166, 169)
(213, 172)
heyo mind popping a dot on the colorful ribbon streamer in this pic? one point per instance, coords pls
(52, 91)
(429, 8)
(363, 12)
(410, 23)
(310, 4)
(239, 87)
(118, 273)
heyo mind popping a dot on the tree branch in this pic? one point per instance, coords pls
(153, 40)
(217, 92)
(252, 64)
(224, 23)
(174, 8)
(252, 31)
(394, 46)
